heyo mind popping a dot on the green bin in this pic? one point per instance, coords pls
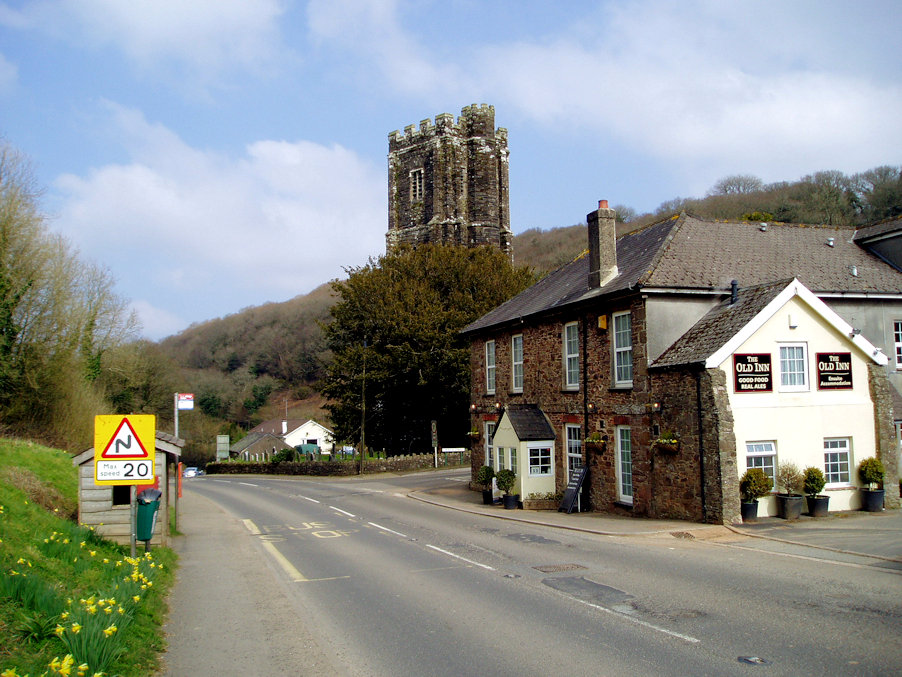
(148, 504)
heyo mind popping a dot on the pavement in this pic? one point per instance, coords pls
(863, 535)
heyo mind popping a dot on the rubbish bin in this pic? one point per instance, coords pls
(148, 504)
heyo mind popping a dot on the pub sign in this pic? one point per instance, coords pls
(834, 371)
(752, 373)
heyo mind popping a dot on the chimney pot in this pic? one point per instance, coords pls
(602, 204)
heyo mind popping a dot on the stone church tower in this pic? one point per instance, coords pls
(448, 183)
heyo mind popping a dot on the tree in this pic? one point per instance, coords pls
(737, 184)
(395, 340)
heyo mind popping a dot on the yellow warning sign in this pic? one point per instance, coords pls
(124, 449)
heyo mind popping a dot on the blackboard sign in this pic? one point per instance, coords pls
(573, 489)
(834, 371)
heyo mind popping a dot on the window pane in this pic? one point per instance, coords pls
(490, 366)
(623, 348)
(836, 461)
(792, 365)
(517, 362)
(625, 452)
(571, 353)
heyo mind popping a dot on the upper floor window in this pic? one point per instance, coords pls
(416, 185)
(897, 341)
(623, 349)
(571, 355)
(793, 367)
(490, 367)
(517, 362)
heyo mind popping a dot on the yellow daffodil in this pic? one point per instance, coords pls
(64, 615)
(59, 630)
(110, 631)
(9, 672)
(76, 628)
(137, 598)
(92, 609)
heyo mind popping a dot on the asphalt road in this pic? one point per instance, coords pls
(352, 577)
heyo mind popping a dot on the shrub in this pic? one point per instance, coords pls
(814, 481)
(505, 480)
(484, 475)
(871, 471)
(754, 484)
(789, 477)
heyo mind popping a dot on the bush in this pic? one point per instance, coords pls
(790, 478)
(754, 484)
(484, 475)
(505, 480)
(814, 481)
(871, 471)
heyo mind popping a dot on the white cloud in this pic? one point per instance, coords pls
(180, 223)
(200, 38)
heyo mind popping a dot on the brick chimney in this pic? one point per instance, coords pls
(602, 245)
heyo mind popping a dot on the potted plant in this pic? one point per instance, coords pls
(505, 480)
(484, 478)
(871, 472)
(813, 484)
(789, 503)
(753, 485)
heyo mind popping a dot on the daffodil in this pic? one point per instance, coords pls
(59, 630)
(110, 631)
(137, 598)
(9, 672)
(76, 628)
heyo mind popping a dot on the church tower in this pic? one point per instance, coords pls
(448, 183)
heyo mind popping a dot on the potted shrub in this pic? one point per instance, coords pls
(813, 484)
(871, 472)
(484, 478)
(505, 480)
(789, 503)
(753, 485)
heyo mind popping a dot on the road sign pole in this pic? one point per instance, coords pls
(134, 517)
(175, 409)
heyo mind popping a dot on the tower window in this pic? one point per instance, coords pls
(416, 185)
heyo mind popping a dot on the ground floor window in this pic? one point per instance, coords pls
(836, 461)
(624, 464)
(489, 434)
(761, 455)
(540, 460)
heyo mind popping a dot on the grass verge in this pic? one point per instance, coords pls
(64, 590)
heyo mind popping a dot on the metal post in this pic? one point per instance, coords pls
(175, 411)
(134, 517)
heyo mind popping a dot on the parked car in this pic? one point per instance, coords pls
(189, 472)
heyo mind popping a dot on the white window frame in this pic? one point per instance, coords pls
(489, 428)
(490, 370)
(499, 456)
(784, 373)
(897, 342)
(536, 458)
(762, 449)
(839, 446)
(570, 346)
(517, 363)
(622, 343)
(417, 183)
(573, 437)
(623, 433)
(512, 460)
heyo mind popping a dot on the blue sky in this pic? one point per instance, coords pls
(219, 154)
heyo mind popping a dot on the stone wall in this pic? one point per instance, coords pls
(465, 198)
(340, 468)
(887, 447)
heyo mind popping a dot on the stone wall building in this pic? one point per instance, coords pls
(448, 182)
(635, 354)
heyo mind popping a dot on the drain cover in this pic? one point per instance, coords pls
(553, 568)
(753, 660)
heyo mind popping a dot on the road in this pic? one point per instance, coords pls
(387, 585)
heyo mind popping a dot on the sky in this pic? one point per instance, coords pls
(221, 154)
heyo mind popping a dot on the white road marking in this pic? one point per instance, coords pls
(251, 527)
(312, 500)
(645, 624)
(378, 526)
(463, 559)
(248, 484)
(343, 512)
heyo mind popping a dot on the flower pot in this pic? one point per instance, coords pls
(818, 506)
(487, 497)
(667, 447)
(789, 506)
(510, 501)
(872, 500)
(749, 511)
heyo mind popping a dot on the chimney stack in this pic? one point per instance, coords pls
(602, 245)
(284, 426)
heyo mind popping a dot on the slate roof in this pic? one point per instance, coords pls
(274, 426)
(254, 437)
(719, 325)
(689, 253)
(529, 422)
(877, 229)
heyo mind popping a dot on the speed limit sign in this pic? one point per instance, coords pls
(124, 449)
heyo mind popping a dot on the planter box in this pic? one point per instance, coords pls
(749, 511)
(510, 501)
(540, 504)
(872, 501)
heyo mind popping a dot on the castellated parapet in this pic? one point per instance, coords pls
(448, 182)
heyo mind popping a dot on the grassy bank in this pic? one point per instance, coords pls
(65, 591)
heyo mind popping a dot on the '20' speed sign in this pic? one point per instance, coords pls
(124, 471)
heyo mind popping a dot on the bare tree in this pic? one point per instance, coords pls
(737, 184)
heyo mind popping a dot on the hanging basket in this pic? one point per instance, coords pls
(667, 447)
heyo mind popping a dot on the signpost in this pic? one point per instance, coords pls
(124, 454)
(435, 441)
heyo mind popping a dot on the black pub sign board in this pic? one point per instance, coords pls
(834, 371)
(752, 373)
